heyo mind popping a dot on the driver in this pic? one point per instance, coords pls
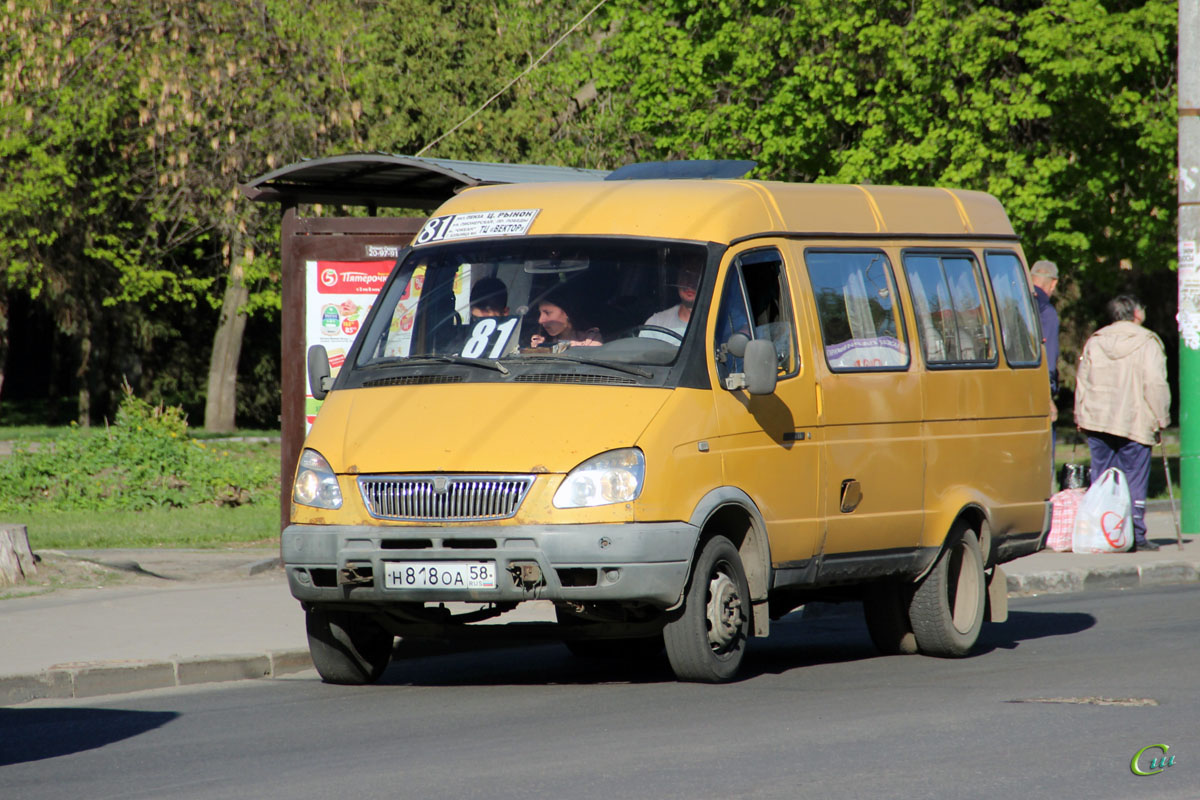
(677, 316)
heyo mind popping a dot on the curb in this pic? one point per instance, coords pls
(1164, 573)
(261, 566)
(93, 679)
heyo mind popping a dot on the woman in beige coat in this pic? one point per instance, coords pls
(1122, 400)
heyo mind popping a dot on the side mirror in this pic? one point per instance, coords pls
(762, 366)
(318, 372)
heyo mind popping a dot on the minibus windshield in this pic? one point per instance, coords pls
(587, 299)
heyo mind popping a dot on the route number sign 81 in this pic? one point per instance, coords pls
(490, 336)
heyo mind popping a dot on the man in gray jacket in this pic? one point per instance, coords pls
(1122, 400)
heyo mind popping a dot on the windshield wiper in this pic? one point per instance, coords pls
(593, 362)
(487, 363)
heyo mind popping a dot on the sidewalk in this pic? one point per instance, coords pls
(1049, 572)
(220, 615)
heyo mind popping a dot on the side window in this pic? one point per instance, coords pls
(953, 319)
(755, 301)
(855, 294)
(1014, 308)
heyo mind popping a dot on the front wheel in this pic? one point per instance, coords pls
(948, 606)
(347, 648)
(707, 641)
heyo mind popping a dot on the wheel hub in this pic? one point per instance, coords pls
(725, 618)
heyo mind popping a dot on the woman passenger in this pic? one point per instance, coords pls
(560, 325)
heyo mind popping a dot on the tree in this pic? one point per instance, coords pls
(1063, 109)
(422, 69)
(126, 128)
(71, 212)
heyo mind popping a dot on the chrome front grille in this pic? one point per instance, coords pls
(443, 498)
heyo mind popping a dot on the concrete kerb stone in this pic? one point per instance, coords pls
(17, 689)
(93, 680)
(289, 662)
(1059, 581)
(263, 565)
(1096, 579)
(67, 681)
(191, 671)
(1168, 573)
(1124, 577)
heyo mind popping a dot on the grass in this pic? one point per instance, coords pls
(198, 526)
(193, 526)
(17, 433)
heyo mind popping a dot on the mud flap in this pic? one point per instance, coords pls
(762, 618)
(997, 595)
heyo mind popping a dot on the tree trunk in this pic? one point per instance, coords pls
(85, 394)
(17, 562)
(220, 407)
(3, 340)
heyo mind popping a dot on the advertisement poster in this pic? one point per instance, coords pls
(1189, 294)
(339, 295)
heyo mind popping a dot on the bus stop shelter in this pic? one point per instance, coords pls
(373, 181)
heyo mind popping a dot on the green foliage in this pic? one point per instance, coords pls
(421, 68)
(144, 460)
(1064, 109)
(126, 127)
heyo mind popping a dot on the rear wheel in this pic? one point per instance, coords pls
(707, 641)
(347, 648)
(948, 606)
(885, 606)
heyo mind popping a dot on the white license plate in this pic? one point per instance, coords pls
(439, 574)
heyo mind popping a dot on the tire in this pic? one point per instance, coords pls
(885, 606)
(948, 606)
(347, 648)
(707, 640)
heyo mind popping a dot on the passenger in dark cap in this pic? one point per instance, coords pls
(489, 298)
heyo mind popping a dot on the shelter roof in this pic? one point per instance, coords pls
(395, 181)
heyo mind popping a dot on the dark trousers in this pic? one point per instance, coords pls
(1133, 459)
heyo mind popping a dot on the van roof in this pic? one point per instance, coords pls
(729, 210)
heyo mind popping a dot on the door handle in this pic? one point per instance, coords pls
(851, 495)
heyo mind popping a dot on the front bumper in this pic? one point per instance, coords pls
(640, 562)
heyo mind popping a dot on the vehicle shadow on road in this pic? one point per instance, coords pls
(834, 637)
(1025, 625)
(34, 734)
(519, 664)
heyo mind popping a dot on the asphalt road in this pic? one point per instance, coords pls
(1054, 704)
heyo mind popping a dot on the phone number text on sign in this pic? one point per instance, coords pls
(513, 222)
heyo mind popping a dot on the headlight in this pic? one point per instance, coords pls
(612, 477)
(316, 485)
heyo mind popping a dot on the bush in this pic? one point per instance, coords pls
(144, 460)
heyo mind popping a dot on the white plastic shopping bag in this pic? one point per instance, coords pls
(1104, 519)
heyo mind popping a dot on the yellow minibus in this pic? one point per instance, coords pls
(678, 408)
